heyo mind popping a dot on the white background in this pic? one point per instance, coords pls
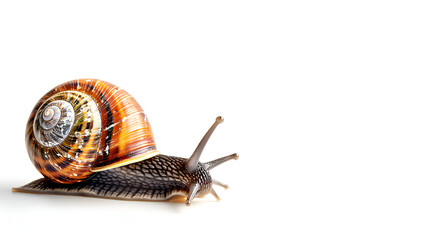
(325, 101)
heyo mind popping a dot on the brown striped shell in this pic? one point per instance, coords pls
(84, 126)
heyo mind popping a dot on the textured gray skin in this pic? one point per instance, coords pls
(158, 178)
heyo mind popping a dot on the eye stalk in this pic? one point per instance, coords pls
(192, 165)
(212, 164)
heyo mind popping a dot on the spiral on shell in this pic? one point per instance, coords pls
(84, 126)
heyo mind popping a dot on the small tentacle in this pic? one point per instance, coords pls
(212, 164)
(215, 182)
(192, 193)
(213, 192)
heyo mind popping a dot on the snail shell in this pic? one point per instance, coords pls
(84, 126)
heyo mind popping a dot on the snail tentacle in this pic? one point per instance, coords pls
(192, 163)
(213, 192)
(216, 182)
(212, 164)
(192, 192)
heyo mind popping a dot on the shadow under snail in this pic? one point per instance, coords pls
(88, 137)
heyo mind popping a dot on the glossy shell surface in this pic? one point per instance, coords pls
(84, 126)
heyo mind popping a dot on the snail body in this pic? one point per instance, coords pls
(89, 137)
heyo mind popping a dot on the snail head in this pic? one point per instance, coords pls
(204, 183)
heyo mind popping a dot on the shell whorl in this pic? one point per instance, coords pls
(84, 126)
(54, 124)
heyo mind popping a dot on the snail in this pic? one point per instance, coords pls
(89, 137)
